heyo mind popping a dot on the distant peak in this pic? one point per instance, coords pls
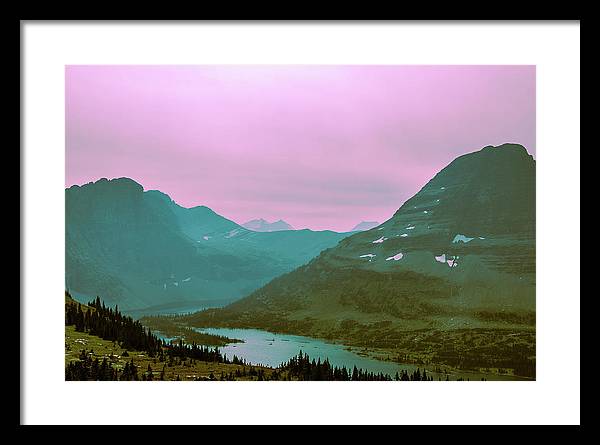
(364, 225)
(262, 225)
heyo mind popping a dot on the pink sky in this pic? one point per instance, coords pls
(322, 147)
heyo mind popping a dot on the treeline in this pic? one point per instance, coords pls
(301, 367)
(196, 352)
(88, 368)
(110, 324)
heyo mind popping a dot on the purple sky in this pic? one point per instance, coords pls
(322, 147)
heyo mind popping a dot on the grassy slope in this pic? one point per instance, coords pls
(76, 341)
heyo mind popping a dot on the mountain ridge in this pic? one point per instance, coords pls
(364, 225)
(463, 244)
(262, 225)
(140, 248)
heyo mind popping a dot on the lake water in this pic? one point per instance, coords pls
(267, 348)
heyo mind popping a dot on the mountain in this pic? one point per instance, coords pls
(459, 254)
(261, 225)
(364, 225)
(140, 249)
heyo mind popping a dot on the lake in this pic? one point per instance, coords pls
(270, 349)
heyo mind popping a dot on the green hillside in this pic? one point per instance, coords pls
(458, 256)
(141, 249)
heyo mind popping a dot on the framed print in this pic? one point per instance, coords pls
(308, 216)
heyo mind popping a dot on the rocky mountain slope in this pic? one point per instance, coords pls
(139, 249)
(459, 254)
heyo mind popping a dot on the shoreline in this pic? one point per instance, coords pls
(385, 355)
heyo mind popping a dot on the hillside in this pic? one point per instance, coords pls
(458, 255)
(140, 249)
(103, 344)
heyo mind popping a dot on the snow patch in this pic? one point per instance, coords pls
(232, 233)
(451, 261)
(396, 257)
(176, 283)
(206, 238)
(461, 238)
(187, 279)
(410, 227)
(404, 235)
(380, 240)
(425, 211)
(368, 255)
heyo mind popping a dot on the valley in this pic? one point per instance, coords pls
(446, 284)
(103, 344)
(140, 249)
(449, 280)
